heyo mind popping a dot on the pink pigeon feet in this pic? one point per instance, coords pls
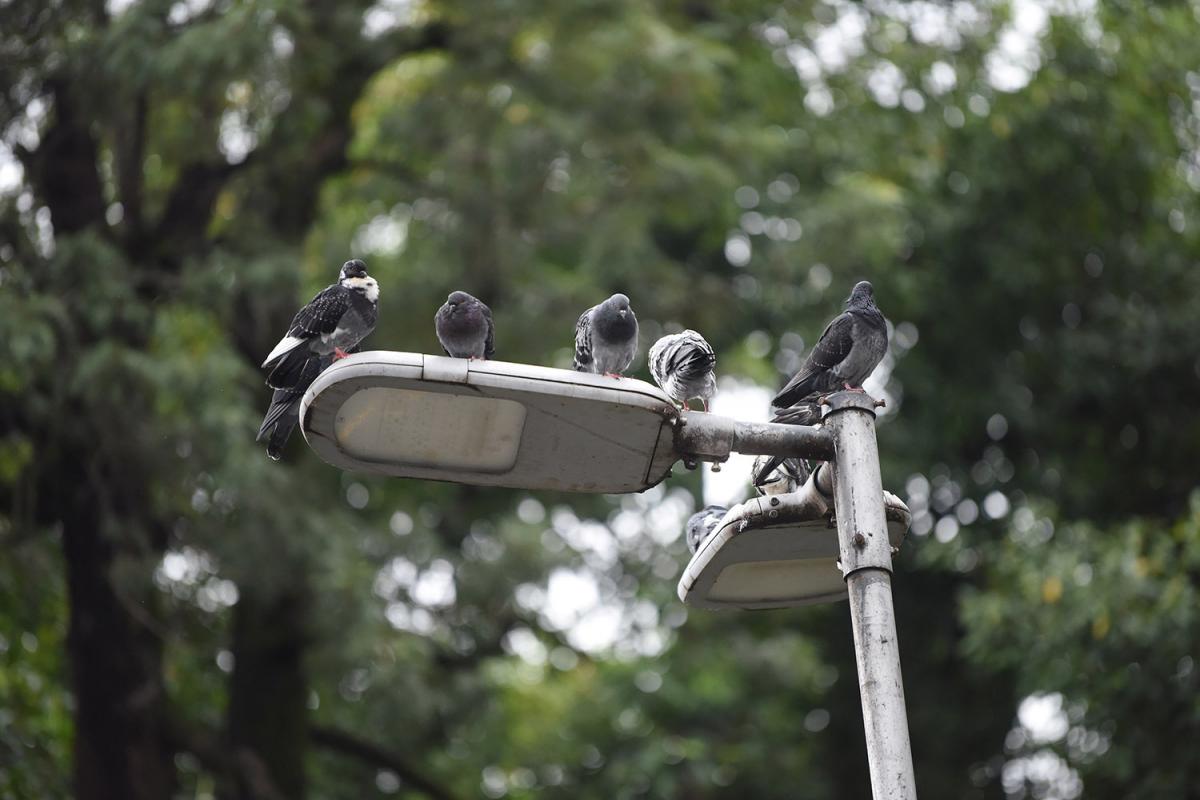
(339, 353)
(850, 388)
(616, 375)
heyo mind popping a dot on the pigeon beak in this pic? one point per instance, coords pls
(623, 313)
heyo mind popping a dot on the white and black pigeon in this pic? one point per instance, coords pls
(849, 349)
(682, 364)
(779, 475)
(333, 322)
(606, 337)
(702, 524)
(464, 327)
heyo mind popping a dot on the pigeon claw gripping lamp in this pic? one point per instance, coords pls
(489, 423)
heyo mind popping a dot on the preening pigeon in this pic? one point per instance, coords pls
(849, 349)
(333, 322)
(606, 337)
(779, 475)
(464, 327)
(682, 364)
(702, 524)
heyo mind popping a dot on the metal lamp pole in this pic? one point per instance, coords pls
(866, 558)
(847, 442)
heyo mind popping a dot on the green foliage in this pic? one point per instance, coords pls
(1106, 618)
(733, 167)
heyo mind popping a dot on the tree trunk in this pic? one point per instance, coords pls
(268, 703)
(121, 743)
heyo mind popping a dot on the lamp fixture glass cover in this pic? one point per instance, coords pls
(455, 431)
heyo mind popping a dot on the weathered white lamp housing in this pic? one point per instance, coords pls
(489, 423)
(776, 551)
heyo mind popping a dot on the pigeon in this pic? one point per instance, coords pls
(464, 327)
(606, 337)
(779, 475)
(332, 323)
(774, 476)
(702, 524)
(848, 351)
(682, 364)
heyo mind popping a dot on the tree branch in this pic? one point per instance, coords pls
(227, 764)
(130, 155)
(189, 206)
(66, 176)
(373, 755)
(323, 152)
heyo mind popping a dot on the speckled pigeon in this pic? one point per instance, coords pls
(464, 327)
(702, 524)
(332, 323)
(682, 364)
(606, 337)
(779, 475)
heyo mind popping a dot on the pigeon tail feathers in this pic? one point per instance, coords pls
(297, 369)
(805, 411)
(791, 394)
(280, 421)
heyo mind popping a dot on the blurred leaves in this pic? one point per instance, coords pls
(1018, 180)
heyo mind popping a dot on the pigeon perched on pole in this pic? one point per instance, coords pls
(606, 337)
(682, 364)
(702, 524)
(850, 348)
(779, 475)
(333, 322)
(464, 327)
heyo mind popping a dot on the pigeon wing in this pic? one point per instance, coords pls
(321, 315)
(489, 344)
(657, 358)
(692, 355)
(583, 342)
(834, 345)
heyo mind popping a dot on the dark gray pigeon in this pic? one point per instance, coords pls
(464, 327)
(606, 337)
(332, 323)
(779, 475)
(682, 364)
(702, 524)
(849, 349)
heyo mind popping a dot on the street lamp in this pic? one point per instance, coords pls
(777, 551)
(492, 423)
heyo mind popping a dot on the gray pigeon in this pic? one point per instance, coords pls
(606, 337)
(776, 474)
(849, 349)
(779, 475)
(702, 524)
(333, 322)
(682, 364)
(464, 327)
